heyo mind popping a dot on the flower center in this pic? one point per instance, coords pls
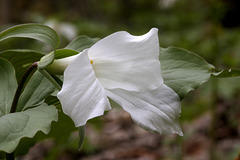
(91, 61)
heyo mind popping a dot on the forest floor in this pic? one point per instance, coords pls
(121, 139)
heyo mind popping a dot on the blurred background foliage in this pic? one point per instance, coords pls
(210, 28)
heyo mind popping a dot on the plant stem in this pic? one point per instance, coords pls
(20, 87)
(10, 156)
(50, 78)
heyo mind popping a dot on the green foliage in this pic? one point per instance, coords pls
(63, 53)
(35, 31)
(36, 90)
(46, 60)
(182, 70)
(21, 59)
(191, 24)
(8, 85)
(37, 116)
(16, 126)
(81, 43)
(62, 129)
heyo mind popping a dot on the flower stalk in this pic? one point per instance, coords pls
(11, 156)
(21, 85)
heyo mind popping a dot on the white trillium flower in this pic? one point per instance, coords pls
(125, 68)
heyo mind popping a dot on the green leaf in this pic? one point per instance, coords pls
(63, 53)
(58, 54)
(35, 31)
(21, 59)
(50, 78)
(82, 42)
(64, 125)
(35, 92)
(16, 126)
(226, 73)
(46, 60)
(8, 86)
(183, 70)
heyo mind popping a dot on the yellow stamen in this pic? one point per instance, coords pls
(91, 61)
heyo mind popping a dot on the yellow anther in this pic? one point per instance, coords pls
(91, 61)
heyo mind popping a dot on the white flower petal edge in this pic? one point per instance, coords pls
(156, 110)
(129, 62)
(82, 96)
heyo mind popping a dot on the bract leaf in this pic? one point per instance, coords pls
(46, 60)
(21, 59)
(183, 70)
(82, 42)
(35, 31)
(36, 90)
(8, 86)
(16, 126)
(58, 54)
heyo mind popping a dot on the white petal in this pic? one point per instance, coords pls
(157, 110)
(128, 62)
(82, 96)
